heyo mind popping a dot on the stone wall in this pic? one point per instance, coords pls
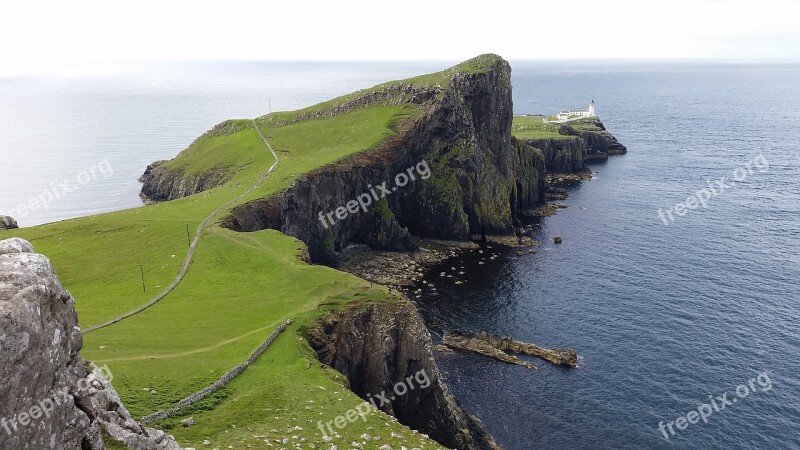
(220, 383)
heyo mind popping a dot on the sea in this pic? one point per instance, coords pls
(676, 281)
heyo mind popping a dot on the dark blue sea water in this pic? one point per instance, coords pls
(663, 316)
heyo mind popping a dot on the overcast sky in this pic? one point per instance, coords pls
(36, 32)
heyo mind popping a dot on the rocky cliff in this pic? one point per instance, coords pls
(49, 397)
(480, 177)
(377, 346)
(561, 155)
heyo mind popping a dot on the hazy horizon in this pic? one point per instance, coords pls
(110, 67)
(97, 32)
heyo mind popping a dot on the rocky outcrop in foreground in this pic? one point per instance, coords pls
(378, 345)
(496, 347)
(49, 397)
(8, 223)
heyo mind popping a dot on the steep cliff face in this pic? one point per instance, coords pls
(561, 155)
(49, 397)
(376, 347)
(480, 178)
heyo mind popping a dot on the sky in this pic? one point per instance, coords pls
(38, 33)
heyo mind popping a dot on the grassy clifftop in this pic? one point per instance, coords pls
(301, 146)
(533, 127)
(393, 92)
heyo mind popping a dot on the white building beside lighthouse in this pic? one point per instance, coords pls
(564, 116)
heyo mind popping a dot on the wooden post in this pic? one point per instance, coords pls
(141, 269)
(188, 238)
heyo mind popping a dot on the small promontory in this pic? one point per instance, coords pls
(567, 147)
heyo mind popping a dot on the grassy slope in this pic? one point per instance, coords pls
(528, 127)
(238, 288)
(218, 149)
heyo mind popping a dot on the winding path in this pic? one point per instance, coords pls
(193, 246)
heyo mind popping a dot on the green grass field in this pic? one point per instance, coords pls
(239, 287)
(532, 127)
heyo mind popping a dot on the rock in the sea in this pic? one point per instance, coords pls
(496, 347)
(49, 398)
(482, 347)
(557, 239)
(8, 223)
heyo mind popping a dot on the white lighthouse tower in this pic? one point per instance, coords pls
(591, 109)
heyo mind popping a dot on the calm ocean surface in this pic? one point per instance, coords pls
(663, 316)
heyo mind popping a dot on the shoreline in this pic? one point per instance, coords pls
(403, 270)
